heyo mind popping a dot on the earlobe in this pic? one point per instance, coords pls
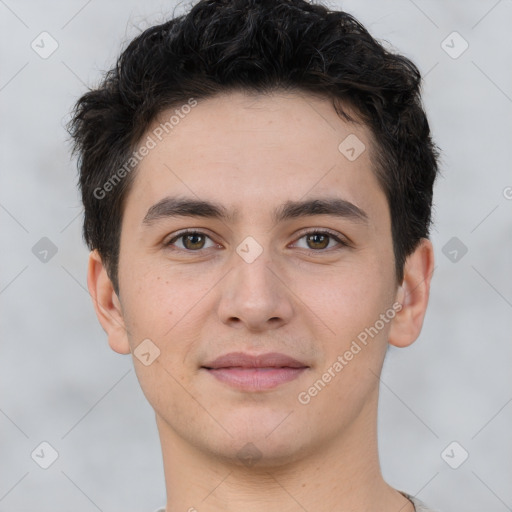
(413, 295)
(107, 304)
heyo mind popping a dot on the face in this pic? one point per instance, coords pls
(286, 250)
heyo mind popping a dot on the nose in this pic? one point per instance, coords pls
(255, 295)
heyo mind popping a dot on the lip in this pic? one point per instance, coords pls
(243, 360)
(255, 372)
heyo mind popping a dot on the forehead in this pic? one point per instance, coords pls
(253, 150)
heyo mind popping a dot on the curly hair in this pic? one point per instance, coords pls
(259, 46)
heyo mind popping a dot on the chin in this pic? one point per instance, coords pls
(258, 442)
(259, 454)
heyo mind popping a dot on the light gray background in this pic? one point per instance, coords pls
(62, 384)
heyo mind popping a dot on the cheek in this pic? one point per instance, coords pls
(349, 302)
(148, 305)
(352, 336)
(346, 298)
(159, 301)
(159, 307)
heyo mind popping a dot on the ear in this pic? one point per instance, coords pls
(413, 295)
(107, 304)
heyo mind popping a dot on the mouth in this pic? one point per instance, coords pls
(255, 373)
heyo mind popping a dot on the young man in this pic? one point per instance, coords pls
(257, 181)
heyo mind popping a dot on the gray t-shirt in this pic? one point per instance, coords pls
(419, 506)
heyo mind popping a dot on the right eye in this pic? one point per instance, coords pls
(191, 241)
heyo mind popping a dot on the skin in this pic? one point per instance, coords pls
(307, 298)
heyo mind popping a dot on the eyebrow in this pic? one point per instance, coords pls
(170, 207)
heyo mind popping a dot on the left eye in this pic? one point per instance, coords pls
(318, 240)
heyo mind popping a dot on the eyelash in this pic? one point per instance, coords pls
(332, 235)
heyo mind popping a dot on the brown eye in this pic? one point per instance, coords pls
(321, 241)
(318, 240)
(191, 241)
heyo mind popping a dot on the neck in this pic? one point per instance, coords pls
(342, 473)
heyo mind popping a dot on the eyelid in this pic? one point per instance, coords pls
(176, 236)
(327, 231)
